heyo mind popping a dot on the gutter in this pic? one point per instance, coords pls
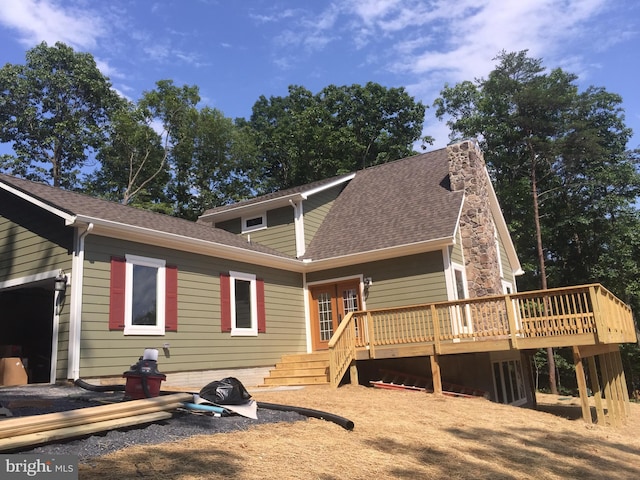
(75, 316)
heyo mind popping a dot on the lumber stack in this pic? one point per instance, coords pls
(38, 429)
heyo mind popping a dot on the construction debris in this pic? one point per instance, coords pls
(405, 381)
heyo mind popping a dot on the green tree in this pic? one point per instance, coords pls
(54, 110)
(175, 108)
(133, 164)
(305, 137)
(560, 168)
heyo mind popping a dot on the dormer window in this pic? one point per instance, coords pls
(257, 222)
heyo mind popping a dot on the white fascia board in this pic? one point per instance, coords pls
(503, 230)
(188, 244)
(380, 254)
(67, 217)
(248, 210)
(270, 204)
(327, 186)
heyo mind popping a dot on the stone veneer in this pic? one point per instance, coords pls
(467, 171)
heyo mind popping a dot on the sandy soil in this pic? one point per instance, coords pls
(397, 434)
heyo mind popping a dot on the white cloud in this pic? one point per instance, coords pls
(47, 20)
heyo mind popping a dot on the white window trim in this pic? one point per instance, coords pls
(244, 332)
(262, 226)
(159, 328)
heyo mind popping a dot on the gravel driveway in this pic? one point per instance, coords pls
(36, 399)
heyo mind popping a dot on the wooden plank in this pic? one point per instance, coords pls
(609, 390)
(592, 350)
(436, 378)
(84, 415)
(582, 386)
(596, 389)
(79, 430)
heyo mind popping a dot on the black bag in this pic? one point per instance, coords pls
(228, 391)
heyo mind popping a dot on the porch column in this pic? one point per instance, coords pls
(582, 386)
(435, 374)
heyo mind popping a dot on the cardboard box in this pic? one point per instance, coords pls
(12, 372)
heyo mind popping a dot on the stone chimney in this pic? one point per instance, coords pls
(467, 172)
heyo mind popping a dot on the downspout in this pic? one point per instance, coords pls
(75, 318)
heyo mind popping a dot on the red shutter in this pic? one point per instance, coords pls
(171, 299)
(225, 302)
(262, 319)
(116, 293)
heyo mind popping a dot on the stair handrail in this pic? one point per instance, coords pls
(342, 348)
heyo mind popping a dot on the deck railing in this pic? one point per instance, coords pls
(587, 314)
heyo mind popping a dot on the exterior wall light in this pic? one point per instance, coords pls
(61, 283)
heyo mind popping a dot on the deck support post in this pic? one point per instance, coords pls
(609, 390)
(623, 379)
(596, 389)
(435, 374)
(582, 386)
(353, 373)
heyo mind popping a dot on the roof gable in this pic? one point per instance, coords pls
(400, 203)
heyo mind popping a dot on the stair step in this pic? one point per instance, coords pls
(295, 372)
(300, 369)
(296, 365)
(317, 380)
(305, 357)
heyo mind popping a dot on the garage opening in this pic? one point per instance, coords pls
(26, 327)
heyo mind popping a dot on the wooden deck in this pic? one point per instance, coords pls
(587, 317)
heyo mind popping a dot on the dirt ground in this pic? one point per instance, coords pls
(397, 434)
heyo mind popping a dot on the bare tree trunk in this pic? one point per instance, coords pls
(543, 272)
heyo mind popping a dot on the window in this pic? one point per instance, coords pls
(242, 304)
(508, 382)
(249, 224)
(143, 296)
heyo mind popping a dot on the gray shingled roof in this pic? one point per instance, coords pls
(83, 205)
(390, 205)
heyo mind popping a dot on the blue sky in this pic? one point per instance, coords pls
(235, 51)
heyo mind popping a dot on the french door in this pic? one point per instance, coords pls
(330, 303)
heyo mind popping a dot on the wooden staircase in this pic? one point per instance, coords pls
(300, 369)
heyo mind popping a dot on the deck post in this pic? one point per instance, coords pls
(513, 327)
(582, 386)
(625, 392)
(620, 388)
(598, 316)
(435, 374)
(596, 389)
(371, 335)
(609, 390)
(353, 373)
(436, 329)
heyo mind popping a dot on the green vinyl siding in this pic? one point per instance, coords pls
(409, 280)
(315, 210)
(456, 250)
(280, 233)
(198, 344)
(32, 241)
